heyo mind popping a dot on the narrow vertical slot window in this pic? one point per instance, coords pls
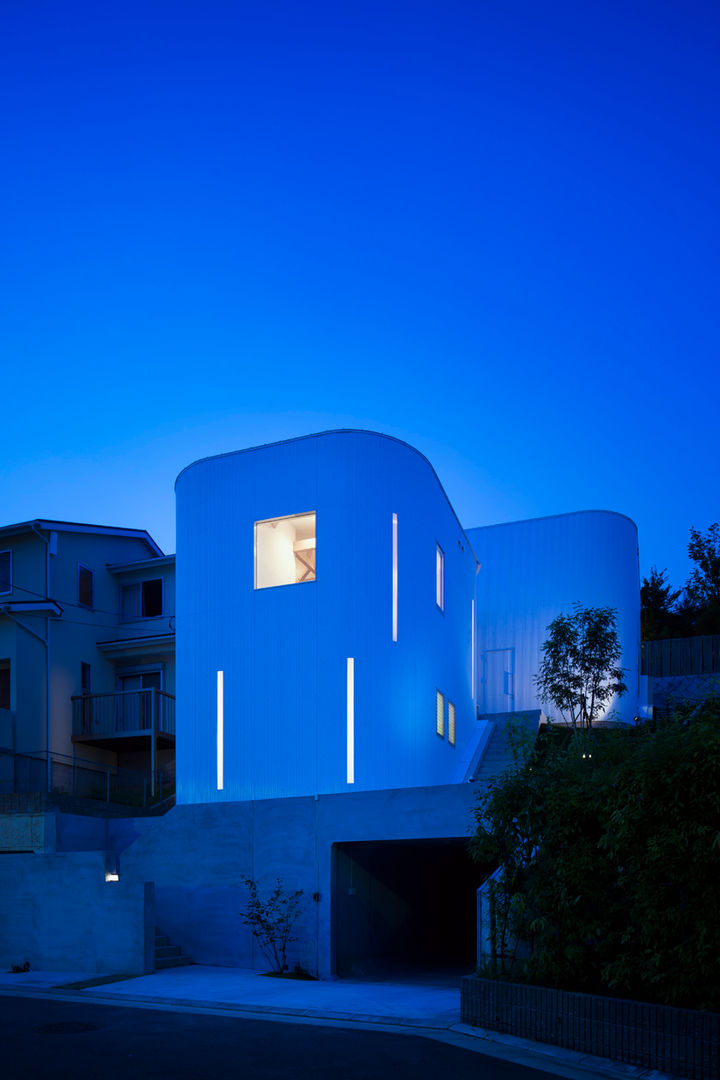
(220, 731)
(439, 714)
(440, 577)
(472, 649)
(451, 723)
(394, 577)
(350, 720)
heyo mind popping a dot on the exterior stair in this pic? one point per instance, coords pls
(497, 756)
(167, 955)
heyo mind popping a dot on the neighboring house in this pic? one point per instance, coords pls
(87, 672)
(347, 656)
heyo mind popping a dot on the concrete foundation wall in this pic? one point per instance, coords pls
(197, 855)
(58, 913)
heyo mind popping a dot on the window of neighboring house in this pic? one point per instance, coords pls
(439, 714)
(85, 586)
(285, 551)
(440, 577)
(4, 684)
(145, 680)
(451, 723)
(85, 678)
(5, 571)
(142, 600)
(152, 598)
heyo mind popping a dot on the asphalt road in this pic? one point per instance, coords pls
(54, 1040)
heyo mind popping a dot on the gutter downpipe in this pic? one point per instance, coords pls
(46, 540)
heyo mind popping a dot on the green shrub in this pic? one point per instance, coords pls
(608, 848)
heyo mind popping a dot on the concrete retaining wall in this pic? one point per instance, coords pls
(197, 855)
(58, 913)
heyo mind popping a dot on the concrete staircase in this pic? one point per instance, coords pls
(497, 756)
(167, 955)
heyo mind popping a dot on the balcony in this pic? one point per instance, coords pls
(125, 720)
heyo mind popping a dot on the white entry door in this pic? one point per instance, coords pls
(498, 680)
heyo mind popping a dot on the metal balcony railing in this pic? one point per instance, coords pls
(64, 775)
(125, 712)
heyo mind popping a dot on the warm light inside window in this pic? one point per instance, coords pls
(440, 577)
(394, 577)
(472, 650)
(350, 720)
(110, 876)
(285, 551)
(440, 714)
(220, 731)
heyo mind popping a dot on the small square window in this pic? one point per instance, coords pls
(285, 551)
(5, 571)
(143, 600)
(451, 723)
(440, 714)
(85, 586)
(440, 577)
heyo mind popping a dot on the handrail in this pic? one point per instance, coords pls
(121, 693)
(124, 712)
(43, 772)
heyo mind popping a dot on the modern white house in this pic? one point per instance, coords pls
(347, 654)
(340, 631)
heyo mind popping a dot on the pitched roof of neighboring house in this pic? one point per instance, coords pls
(140, 564)
(79, 527)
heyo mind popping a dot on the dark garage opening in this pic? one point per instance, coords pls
(404, 907)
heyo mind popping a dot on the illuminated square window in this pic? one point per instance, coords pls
(439, 714)
(285, 551)
(451, 723)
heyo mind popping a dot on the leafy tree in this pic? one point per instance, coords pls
(271, 920)
(579, 672)
(703, 585)
(657, 599)
(607, 845)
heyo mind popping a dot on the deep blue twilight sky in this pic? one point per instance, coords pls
(489, 227)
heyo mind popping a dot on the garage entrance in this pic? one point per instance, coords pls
(404, 907)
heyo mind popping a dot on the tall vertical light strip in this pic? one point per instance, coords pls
(350, 720)
(394, 577)
(472, 646)
(220, 731)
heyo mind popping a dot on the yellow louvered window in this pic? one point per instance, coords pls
(439, 714)
(451, 723)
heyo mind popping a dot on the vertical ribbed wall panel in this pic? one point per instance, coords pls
(284, 649)
(531, 571)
